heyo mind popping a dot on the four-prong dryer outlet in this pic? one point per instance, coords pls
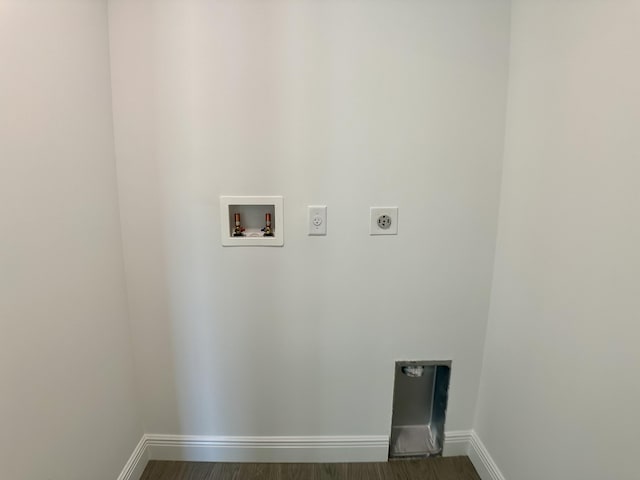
(384, 221)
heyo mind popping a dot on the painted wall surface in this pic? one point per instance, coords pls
(560, 391)
(349, 104)
(67, 402)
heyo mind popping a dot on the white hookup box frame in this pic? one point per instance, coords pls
(252, 210)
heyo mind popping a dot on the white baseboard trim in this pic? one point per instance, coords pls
(137, 462)
(482, 461)
(371, 448)
(456, 443)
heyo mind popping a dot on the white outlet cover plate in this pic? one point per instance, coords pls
(317, 223)
(376, 213)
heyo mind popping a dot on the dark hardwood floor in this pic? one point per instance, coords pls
(448, 468)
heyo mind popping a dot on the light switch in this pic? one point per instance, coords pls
(317, 219)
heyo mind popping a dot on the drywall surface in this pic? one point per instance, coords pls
(560, 390)
(349, 104)
(67, 403)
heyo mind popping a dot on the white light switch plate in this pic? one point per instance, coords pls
(317, 223)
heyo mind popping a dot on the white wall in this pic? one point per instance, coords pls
(560, 391)
(67, 403)
(349, 104)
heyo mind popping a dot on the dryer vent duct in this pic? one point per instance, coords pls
(420, 395)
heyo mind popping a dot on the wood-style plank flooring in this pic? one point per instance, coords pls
(447, 468)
